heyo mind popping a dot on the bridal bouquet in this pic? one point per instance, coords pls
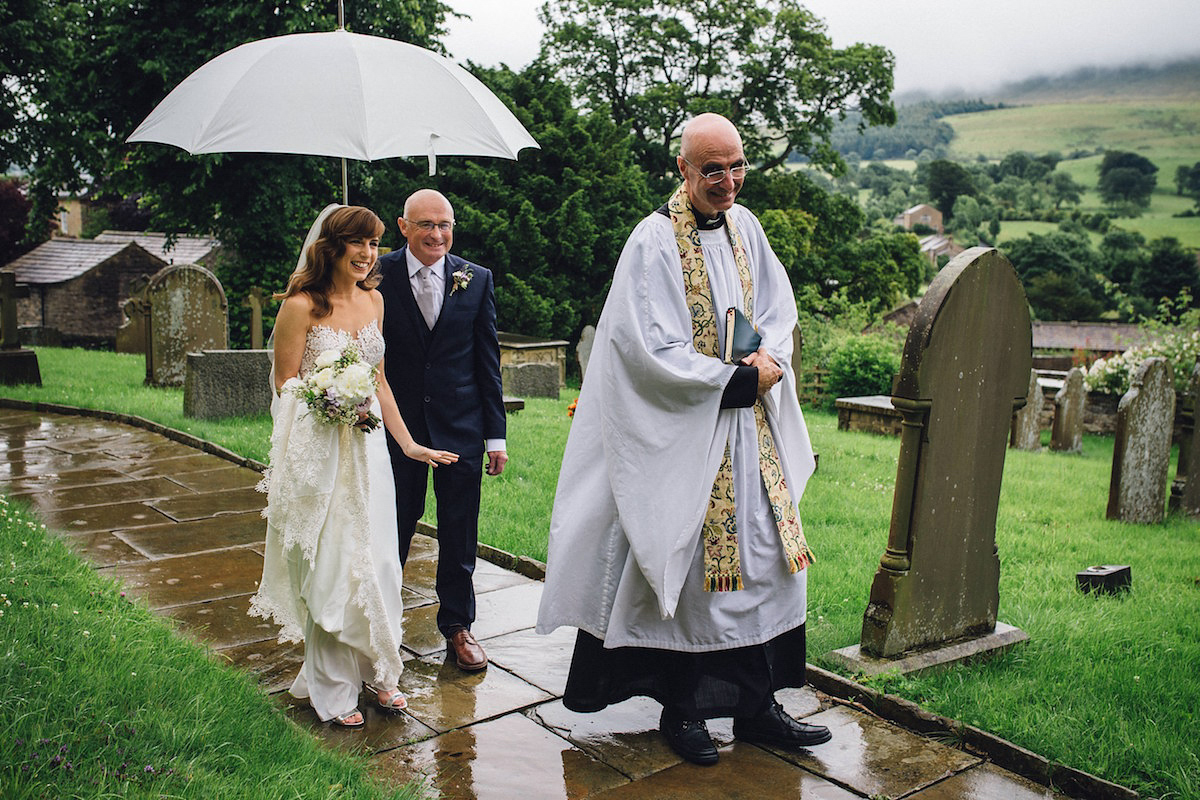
(339, 387)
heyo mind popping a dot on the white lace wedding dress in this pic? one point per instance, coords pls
(331, 570)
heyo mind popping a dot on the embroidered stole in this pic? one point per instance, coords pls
(722, 562)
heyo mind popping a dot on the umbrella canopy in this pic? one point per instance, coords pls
(335, 94)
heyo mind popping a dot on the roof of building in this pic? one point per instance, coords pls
(62, 259)
(187, 249)
(1093, 336)
(938, 244)
(913, 210)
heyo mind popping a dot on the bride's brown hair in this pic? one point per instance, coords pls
(316, 276)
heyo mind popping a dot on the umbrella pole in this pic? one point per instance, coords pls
(345, 185)
(341, 16)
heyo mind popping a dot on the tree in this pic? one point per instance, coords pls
(1064, 189)
(1187, 181)
(1058, 272)
(1126, 179)
(1170, 270)
(1122, 253)
(767, 65)
(14, 212)
(945, 181)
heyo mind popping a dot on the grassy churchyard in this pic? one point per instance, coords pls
(1105, 684)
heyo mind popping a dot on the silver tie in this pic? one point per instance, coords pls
(425, 297)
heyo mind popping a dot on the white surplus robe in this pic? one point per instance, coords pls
(625, 562)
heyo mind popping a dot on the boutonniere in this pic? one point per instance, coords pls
(461, 278)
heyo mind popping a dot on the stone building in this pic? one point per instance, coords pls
(920, 214)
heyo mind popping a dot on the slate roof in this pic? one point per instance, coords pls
(187, 249)
(59, 260)
(1093, 336)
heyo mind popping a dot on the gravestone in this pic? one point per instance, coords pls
(965, 370)
(1185, 492)
(254, 299)
(227, 383)
(583, 350)
(188, 313)
(1137, 491)
(1027, 422)
(1066, 434)
(131, 335)
(17, 364)
(530, 380)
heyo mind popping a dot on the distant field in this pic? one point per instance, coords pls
(1165, 131)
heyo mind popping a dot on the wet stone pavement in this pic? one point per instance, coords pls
(180, 528)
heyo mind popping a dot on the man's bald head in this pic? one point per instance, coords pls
(710, 144)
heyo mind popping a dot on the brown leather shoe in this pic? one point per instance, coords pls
(468, 654)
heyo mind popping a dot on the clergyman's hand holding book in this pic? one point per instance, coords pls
(740, 337)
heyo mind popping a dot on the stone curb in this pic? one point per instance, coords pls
(905, 713)
(1002, 753)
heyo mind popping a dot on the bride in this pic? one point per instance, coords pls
(331, 570)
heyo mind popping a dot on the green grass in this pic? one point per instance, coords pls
(1110, 685)
(101, 699)
(1166, 131)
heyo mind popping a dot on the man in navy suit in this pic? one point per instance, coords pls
(443, 364)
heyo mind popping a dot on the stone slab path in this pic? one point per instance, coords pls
(180, 528)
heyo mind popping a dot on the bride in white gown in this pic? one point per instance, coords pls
(331, 570)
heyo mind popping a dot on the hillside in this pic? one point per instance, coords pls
(1176, 82)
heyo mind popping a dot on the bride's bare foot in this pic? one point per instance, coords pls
(351, 719)
(391, 699)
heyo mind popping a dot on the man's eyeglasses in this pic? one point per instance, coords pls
(445, 226)
(737, 172)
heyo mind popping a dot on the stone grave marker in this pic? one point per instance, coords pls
(18, 365)
(1137, 491)
(1027, 422)
(131, 335)
(1066, 434)
(1185, 491)
(530, 380)
(227, 383)
(254, 299)
(188, 313)
(965, 370)
(583, 350)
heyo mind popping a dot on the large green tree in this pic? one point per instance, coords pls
(1126, 179)
(946, 181)
(768, 65)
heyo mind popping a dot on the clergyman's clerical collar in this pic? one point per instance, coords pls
(709, 224)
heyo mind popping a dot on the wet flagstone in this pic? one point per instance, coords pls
(48, 481)
(444, 697)
(101, 549)
(191, 579)
(542, 660)
(219, 480)
(744, 772)
(987, 782)
(105, 494)
(38, 460)
(496, 613)
(506, 758)
(223, 623)
(384, 730)
(272, 664)
(191, 461)
(875, 758)
(210, 533)
(194, 506)
(117, 516)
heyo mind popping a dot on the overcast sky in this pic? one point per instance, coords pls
(939, 45)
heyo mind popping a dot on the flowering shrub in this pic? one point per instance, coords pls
(1112, 375)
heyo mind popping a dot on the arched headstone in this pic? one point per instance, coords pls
(188, 313)
(965, 370)
(1187, 472)
(1137, 491)
(1066, 435)
(583, 350)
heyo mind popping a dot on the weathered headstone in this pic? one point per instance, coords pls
(1066, 434)
(1187, 473)
(530, 380)
(583, 350)
(227, 383)
(1027, 422)
(131, 336)
(188, 313)
(965, 369)
(254, 299)
(17, 364)
(1137, 491)
(797, 360)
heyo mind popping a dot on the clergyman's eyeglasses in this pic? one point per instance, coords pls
(737, 172)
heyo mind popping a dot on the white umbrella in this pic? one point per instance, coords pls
(335, 94)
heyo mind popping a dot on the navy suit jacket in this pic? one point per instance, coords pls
(446, 381)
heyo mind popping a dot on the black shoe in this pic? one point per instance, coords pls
(775, 727)
(689, 738)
